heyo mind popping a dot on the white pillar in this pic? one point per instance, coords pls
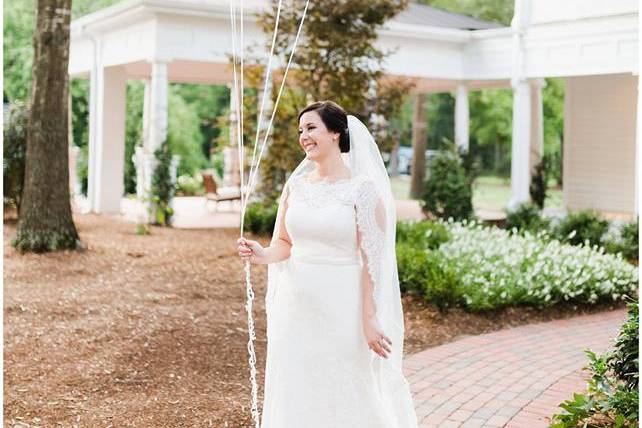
(638, 129)
(462, 117)
(146, 111)
(107, 139)
(94, 78)
(521, 139)
(155, 123)
(231, 161)
(520, 171)
(159, 86)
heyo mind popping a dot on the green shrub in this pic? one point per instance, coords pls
(190, 186)
(539, 182)
(578, 227)
(412, 265)
(216, 159)
(624, 360)
(14, 153)
(442, 286)
(260, 219)
(526, 216)
(448, 190)
(499, 268)
(422, 234)
(612, 395)
(626, 241)
(162, 191)
(428, 274)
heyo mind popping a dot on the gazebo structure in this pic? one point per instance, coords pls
(592, 44)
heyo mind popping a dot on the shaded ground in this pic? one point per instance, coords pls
(150, 331)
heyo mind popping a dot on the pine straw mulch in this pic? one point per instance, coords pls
(151, 331)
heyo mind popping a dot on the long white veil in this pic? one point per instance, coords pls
(365, 159)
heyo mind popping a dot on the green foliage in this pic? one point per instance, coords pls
(612, 396)
(491, 128)
(412, 266)
(500, 11)
(581, 226)
(553, 109)
(208, 103)
(442, 286)
(539, 182)
(624, 361)
(14, 153)
(626, 242)
(194, 108)
(162, 190)
(526, 216)
(441, 119)
(260, 219)
(142, 229)
(19, 24)
(79, 89)
(470, 162)
(184, 133)
(338, 63)
(487, 268)
(187, 185)
(422, 234)
(448, 190)
(500, 268)
(425, 272)
(217, 163)
(135, 94)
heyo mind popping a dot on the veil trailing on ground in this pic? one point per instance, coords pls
(378, 243)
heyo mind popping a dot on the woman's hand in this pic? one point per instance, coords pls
(251, 250)
(377, 340)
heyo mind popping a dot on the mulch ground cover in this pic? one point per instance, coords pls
(151, 331)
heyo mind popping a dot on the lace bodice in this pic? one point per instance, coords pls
(323, 219)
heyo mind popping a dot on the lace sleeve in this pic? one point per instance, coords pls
(370, 214)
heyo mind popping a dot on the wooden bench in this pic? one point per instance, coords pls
(212, 194)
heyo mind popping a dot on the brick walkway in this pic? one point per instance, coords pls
(512, 378)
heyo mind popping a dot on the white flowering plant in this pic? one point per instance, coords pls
(498, 268)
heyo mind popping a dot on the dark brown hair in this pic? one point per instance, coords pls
(334, 118)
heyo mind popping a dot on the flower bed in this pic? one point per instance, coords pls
(493, 268)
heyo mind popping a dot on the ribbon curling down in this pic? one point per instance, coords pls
(237, 93)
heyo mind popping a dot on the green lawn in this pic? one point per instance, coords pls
(489, 192)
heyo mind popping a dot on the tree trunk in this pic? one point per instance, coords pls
(419, 128)
(45, 221)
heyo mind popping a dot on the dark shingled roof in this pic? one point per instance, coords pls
(419, 14)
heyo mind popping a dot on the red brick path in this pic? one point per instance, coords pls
(512, 378)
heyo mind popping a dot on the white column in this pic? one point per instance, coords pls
(520, 171)
(146, 111)
(231, 162)
(96, 75)
(107, 139)
(638, 129)
(462, 117)
(521, 139)
(155, 122)
(537, 122)
(159, 86)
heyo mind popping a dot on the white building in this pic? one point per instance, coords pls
(592, 44)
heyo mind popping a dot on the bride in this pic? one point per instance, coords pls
(334, 317)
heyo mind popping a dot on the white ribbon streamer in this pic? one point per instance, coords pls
(245, 193)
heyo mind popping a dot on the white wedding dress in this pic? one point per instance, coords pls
(319, 369)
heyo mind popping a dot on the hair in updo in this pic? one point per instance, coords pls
(334, 118)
